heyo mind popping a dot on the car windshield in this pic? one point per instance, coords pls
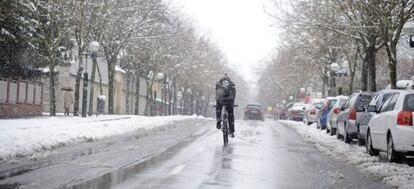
(254, 106)
(409, 103)
(318, 105)
(364, 100)
(331, 103)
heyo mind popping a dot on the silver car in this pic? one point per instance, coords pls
(311, 112)
(363, 117)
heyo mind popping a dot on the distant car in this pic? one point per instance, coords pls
(311, 112)
(323, 113)
(347, 125)
(333, 114)
(284, 111)
(253, 111)
(269, 116)
(363, 117)
(297, 111)
(391, 130)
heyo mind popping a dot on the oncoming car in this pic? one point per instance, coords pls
(253, 111)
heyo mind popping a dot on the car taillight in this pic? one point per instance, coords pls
(352, 114)
(313, 112)
(405, 118)
(337, 110)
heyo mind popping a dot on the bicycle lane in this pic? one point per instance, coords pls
(263, 155)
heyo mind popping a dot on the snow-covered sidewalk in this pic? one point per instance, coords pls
(27, 137)
(395, 175)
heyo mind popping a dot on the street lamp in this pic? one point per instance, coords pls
(408, 29)
(93, 48)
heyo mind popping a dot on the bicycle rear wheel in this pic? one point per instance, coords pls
(225, 133)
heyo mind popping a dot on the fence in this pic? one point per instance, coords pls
(20, 98)
(20, 92)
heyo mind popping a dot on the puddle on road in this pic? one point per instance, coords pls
(110, 179)
(10, 186)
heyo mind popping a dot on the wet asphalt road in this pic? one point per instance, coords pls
(189, 155)
(263, 155)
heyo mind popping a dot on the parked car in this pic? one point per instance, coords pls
(391, 130)
(253, 111)
(333, 114)
(284, 111)
(311, 112)
(347, 125)
(297, 111)
(323, 113)
(363, 117)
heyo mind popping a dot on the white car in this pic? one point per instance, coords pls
(311, 112)
(333, 114)
(391, 130)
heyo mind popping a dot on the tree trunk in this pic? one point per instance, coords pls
(92, 90)
(127, 103)
(137, 86)
(111, 84)
(368, 69)
(372, 70)
(392, 64)
(77, 85)
(324, 83)
(149, 104)
(52, 96)
(364, 73)
(351, 82)
(174, 108)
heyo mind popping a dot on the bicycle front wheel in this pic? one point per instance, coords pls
(225, 133)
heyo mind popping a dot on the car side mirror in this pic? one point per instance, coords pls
(372, 108)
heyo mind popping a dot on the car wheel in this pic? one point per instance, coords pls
(361, 140)
(368, 146)
(392, 155)
(333, 131)
(338, 135)
(347, 137)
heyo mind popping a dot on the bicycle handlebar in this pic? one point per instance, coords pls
(215, 106)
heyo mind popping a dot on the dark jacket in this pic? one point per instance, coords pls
(232, 86)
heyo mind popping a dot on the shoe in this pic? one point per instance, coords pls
(218, 125)
(232, 134)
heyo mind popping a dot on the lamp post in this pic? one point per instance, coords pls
(85, 87)
(93, 48)
(180, 97)
(408, 29)
(160, 76)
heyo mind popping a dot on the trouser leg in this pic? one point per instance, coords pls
(231, 117)
(219, 106)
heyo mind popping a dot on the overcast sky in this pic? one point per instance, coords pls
(240, 27)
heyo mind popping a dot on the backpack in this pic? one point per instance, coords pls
(223, 89)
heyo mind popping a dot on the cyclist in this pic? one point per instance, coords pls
(225, 95)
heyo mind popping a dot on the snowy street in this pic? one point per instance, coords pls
(189, 154)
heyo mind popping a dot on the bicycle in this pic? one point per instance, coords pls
(224, 123)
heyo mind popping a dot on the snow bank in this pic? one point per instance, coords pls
(27, 137)
(395, 175)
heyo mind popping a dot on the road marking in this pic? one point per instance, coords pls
(201, 149)
(177, 170)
